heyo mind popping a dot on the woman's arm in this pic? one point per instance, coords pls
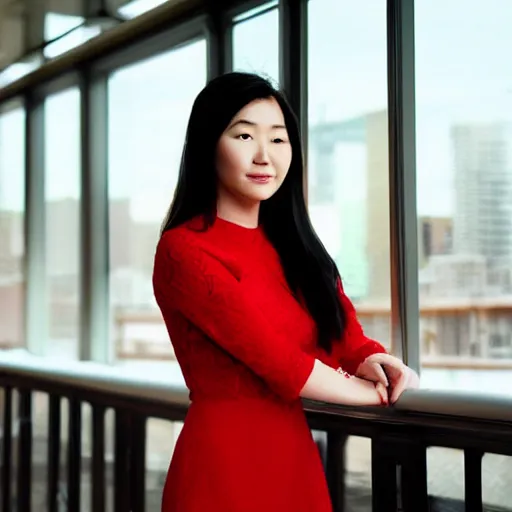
(359, 355)
(327, 385)
(355, 346)
(189, 280)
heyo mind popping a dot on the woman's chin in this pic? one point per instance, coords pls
(261, 194)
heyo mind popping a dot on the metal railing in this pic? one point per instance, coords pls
(399, 436)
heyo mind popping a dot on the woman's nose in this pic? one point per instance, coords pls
(262, 157)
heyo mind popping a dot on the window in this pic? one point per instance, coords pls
(135, 8)
(62, 217)
(18, 70)
(464, 189)
(12, 218)
(256, 42)
(149, 106)
(70, 30)
(348, 186)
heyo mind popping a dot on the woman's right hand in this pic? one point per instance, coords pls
(370, 393)
(328, 385)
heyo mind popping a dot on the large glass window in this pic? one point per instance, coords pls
(70, 31)
(12, 217)
(464, 191)
(149, 106)
(348, 185)
(135, 8)
(256, 42)
(62, 203)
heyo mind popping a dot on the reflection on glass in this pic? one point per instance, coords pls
(18, 70)
(149, 106)
(56, 25)
(256, 45)
(348, 186)
(135, 8)
(62, 199)
(464, 192)
(12, 216)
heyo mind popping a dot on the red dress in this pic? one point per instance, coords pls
(246, 347)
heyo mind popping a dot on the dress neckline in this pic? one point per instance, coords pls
(234, 226)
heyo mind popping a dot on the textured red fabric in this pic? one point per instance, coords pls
(246, 347)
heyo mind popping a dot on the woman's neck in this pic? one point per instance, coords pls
(243, 215)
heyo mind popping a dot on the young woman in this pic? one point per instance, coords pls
(256, 312)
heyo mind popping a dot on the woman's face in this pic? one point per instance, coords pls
(253, 153)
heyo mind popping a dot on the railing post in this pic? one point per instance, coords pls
(335, 468)
(24, 484)
(473, 480)
(74, 454)
(384, 476)
(399, 474)
(7, 451)
(121, 462)
(98, 459)
(413, 477)
(138, 464)
(54, 432)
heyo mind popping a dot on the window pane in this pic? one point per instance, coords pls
(137, 7)
(464, 191)
(62, 199)
(18, 70)
(149, 106)
(57, 24)
(348, 183)
(256, 45)
(12, 216)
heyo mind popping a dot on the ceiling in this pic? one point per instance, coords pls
(22, 22)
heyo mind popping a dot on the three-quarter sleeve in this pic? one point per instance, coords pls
(355, 346)
(189, 280)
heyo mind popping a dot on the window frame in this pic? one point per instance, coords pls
(88, 67)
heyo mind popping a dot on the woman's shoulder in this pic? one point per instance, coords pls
(185, 238)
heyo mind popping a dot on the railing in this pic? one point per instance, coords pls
(400, 437)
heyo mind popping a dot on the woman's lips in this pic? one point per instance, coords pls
(260, 178)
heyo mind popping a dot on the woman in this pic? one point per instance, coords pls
(256, 312)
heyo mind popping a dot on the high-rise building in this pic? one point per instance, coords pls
(483, 191)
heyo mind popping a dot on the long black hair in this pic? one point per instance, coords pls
(311, 273)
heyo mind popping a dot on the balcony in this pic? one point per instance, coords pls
(105, 413)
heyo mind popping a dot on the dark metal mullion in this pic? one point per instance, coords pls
(402, 180)
(94, 219)
(293, 62)
(220, 42)
(35, 227)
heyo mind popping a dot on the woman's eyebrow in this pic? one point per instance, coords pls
(246, 122)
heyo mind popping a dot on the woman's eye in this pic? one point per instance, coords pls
(244, 136)
(278, 140)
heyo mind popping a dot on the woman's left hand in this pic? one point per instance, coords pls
(397, 378)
